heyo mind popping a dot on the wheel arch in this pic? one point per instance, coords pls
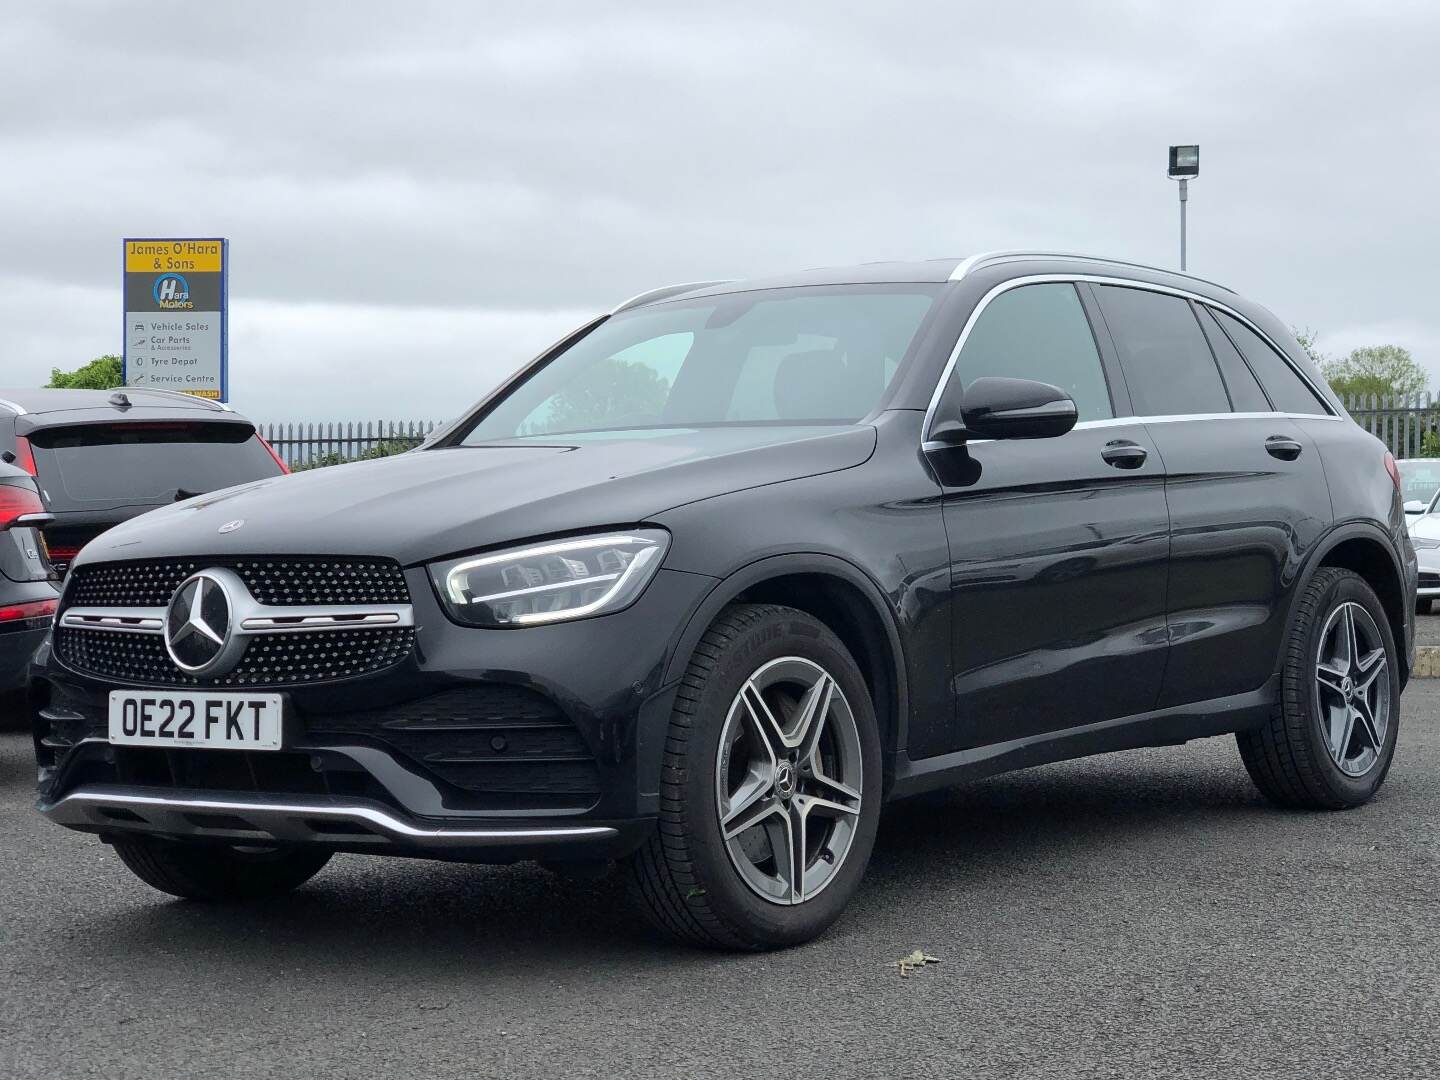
(1368, 551)
(845, 599)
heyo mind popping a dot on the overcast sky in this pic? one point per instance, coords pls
(421, 196)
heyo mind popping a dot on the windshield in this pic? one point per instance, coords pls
(779, 356)
(104, 466)
(1419, 480)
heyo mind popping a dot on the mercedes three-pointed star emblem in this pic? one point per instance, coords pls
(198, 633)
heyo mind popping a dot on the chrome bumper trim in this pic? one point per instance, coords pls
(288, 819)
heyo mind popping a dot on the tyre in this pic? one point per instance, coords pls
(770, 790)
(218, 872)
(1422, 605)
(1330, 739)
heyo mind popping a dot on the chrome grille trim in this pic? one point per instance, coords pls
(251, 620)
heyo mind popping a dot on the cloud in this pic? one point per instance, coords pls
(497, 170)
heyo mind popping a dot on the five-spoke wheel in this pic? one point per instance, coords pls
(788, 779)
(1351, 675)
(770, 786)
(1331, 734)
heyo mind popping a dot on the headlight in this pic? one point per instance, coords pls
(1422, 544)
(551, 582)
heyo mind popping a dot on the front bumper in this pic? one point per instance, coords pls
(350, 825)
(368, 764)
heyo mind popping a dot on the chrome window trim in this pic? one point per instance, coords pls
(1129, 283)
(1123, 421)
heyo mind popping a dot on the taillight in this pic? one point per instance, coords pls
(1392, 469)
(16, 502)
(38, 609)
(271, 451)
(24, 456)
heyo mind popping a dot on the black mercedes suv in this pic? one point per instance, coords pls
(719, 574)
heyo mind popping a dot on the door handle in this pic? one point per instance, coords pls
(1124, 454)
(1283, 447)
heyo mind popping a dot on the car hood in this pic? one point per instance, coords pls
(431, 503)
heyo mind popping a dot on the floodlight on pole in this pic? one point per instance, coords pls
(1184, 165)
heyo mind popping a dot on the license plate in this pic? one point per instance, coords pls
(214, 721)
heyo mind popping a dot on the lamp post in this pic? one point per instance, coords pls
(1184, 164)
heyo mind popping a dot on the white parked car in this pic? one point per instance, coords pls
(1425, 536)
(1419, 484)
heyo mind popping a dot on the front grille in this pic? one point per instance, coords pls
(1430, 581)
(281, 581)
(497, 739)
(272, 660)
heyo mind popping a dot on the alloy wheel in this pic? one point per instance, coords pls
(1353, 683)
(788, 780)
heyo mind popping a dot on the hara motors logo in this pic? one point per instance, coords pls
(171, 292)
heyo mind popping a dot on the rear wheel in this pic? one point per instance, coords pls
(1422, 605)
(771, 786)
(218, 872)
(1331, 738)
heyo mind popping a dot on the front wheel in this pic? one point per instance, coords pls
(1331, 737)
(218, 872)
(770, 792)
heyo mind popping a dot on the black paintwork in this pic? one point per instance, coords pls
(1011, 602)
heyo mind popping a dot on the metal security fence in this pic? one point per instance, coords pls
(1409, 426)
(308, 445)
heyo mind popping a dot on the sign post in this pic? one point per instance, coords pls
(176, 315)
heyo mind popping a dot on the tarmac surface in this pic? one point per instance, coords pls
(1142, 914)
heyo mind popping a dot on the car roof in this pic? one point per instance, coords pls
(21, 402)
(938, 271)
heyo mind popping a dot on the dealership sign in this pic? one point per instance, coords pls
(175, 316)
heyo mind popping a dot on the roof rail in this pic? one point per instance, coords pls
(975, 262)
(666, 291)
(208, 402)
(15, 407)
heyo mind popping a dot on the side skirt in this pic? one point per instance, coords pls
(1163, 727)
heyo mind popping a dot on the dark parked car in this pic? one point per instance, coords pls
(27, 598)
(707, 583)
(103, 456)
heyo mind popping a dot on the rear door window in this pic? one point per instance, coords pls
(95, 467)
(1287, 390)
(1167, 362)
(1039, 332)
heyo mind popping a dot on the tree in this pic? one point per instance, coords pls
(99, 374)
(1306, 338)
(608, 393)
(1382, 370)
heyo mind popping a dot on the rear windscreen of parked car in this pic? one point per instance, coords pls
(98, 466)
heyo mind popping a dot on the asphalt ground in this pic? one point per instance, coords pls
(1427, 629)
(1142, 914)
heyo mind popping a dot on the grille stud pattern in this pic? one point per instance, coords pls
(293, 580)
(272, 660)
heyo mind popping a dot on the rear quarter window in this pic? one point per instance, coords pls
(1286, 389)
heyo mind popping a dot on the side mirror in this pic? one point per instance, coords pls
(1415, 506)
(995, 408)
